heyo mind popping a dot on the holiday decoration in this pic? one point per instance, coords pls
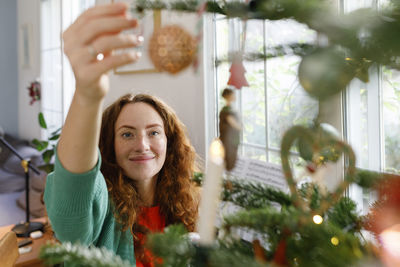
(211, 194)
(325, 72)
(237, 78)
(384, 219)
(172, 49)
(34, 91)
(229, 129)
(386, 211)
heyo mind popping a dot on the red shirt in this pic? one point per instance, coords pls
(151, 219)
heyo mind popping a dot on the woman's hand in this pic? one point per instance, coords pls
(98, 30)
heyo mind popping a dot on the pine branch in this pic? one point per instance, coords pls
(344, 215)
(324, 245)
(272, 9)
(253, 195)
(173, 246)
(367, 179)
(264, 220)
(247, 194)
(300, 49)
(80, 256)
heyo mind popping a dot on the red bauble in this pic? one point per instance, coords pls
(386, 211)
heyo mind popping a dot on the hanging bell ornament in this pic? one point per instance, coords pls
(172, 49)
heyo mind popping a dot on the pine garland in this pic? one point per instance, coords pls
(80, 256)
(272, 52)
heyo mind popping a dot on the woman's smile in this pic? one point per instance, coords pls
(141, 158)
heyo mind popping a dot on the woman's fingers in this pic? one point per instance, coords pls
(105, 45)
(96, 28)
(103, 26)
(87, 75)
(113, 9)
(114, 60)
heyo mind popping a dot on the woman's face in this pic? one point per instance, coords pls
(140, 141)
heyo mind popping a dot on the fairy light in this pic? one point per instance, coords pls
(318, 219)
(335, 241)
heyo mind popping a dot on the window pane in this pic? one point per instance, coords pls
(254, 36)
(253, 105)
(391, 115)
(358, 121)
(351, 5)
(51, 80)
(222, 38)
(254, 152)
(288, 103)
(50, 24)
(297, 164)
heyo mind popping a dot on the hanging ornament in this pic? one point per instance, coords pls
(172, 49)
(34, 91)
(280, 253)
(259, 252)
(325, 72)
(237, 70)
(386, 211)
(237, 78)
(384, 220)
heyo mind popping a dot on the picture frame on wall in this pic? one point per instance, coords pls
(148, 23)
(26, 45)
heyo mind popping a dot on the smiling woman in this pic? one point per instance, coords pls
(147, 162)
(141, 180)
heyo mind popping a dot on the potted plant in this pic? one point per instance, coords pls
(46, 146)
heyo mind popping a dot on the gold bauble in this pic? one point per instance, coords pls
(172, 49)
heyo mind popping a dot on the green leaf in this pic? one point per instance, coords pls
(40, 145)
(42, 121)
(56, 131)
(48, 168)
(47, 155)
(54, 137)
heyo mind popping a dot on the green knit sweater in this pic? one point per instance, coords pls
(79, 210)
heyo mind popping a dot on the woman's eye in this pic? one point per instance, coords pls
(126, 135)
(154, 133)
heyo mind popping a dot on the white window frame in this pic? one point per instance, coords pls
(68, 11)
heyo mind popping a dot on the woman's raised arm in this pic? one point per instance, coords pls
(97, 30)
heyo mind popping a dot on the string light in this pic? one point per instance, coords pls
(335, 241)
(318, 219)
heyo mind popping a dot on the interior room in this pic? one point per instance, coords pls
(292, 114)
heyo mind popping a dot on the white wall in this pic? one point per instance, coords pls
(184, 92)
(28, 13)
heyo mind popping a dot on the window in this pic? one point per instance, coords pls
(274, 101)
(366, 113)
(56, 75)
(373, 128)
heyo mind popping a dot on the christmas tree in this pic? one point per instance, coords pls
(309, 226)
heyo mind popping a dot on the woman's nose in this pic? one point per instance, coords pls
(141, 143)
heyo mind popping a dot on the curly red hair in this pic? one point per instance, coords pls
(176, 194)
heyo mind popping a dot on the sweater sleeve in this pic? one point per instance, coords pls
(76, 204)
